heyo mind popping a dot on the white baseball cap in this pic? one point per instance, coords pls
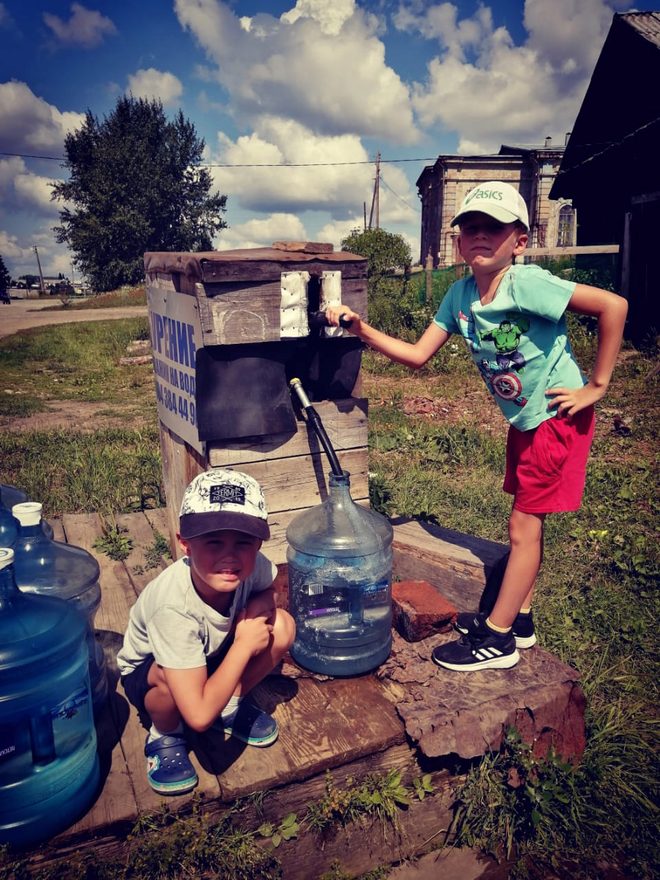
(497, 199)
(221, 498)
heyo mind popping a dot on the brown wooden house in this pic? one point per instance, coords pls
(531, 169)
(611, 165)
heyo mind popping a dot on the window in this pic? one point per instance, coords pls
(566, 226)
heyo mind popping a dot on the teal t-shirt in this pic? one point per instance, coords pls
(518, 341)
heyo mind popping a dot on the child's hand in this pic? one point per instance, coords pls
(262, 605)
(569, 401)
(253, 633)
(334, 313)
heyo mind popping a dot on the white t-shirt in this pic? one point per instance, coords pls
(172, 624)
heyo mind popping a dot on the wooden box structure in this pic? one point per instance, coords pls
(229, 329)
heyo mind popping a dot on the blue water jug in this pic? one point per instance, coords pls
(52, 568)
(340, 584)
(49, 766)
(9, 527)
(9, 496)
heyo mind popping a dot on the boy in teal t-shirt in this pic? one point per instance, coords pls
(513, 321)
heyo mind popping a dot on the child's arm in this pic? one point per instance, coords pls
(411, 354)
(200, 698)
(610, 309)
(262, 605)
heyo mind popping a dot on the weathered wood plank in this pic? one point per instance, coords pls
(456, 563)
(344, 421)
(302, 482)
(235, 314)
(139, 565)
(217, 272)
(116, 801)
(319, 729)
(180, 465)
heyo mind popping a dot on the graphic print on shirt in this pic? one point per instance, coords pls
(501, 375)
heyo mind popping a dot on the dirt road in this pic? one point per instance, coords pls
(23, 314)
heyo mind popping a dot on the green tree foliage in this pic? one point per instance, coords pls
(5, 278)
(386, 251)
(135, 185)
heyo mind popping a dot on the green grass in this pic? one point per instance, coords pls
(73, 362)
(111, 471)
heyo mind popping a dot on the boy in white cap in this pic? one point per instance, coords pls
(206, 630)
(512, 318)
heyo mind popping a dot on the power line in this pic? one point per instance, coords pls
(252, 164)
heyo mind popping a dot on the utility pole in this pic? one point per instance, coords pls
(375, 199)
(42, 286)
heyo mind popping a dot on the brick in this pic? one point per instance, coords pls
(420, 610)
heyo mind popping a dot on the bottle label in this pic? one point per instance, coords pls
(72, 705)
(7, 742)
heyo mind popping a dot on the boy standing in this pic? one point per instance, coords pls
(206, 630)
(512, 319)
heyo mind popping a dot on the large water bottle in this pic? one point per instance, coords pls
(9, 496)
(340, 584)
(49, 766)
(9, 528)
(52, 568)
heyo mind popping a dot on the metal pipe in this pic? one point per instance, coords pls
(314, 420)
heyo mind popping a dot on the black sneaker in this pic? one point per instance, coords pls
(477, 651)
(522, 629)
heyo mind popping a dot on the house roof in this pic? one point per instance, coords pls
(646, 23)
(624, 81)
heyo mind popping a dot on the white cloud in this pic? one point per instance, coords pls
(21, 190)
(9, 247)
(152, 83)
(524, 92)
(298, 67)
(86, 27)
(329, 16)
(28, 123)
(263, 232)
(277, 141)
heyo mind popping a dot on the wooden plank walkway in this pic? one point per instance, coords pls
(371, 723)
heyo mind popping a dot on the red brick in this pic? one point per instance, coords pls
(420, 610)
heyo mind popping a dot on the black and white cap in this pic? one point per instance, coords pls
(221, 498)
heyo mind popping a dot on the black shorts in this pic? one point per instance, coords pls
(136, 683)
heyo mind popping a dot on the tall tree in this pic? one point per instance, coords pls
(5, 277)
(385, 251)
(135, 185)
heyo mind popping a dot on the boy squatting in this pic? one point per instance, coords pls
(512, 318)
(206, 630)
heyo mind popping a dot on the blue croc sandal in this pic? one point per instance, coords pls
(169, 770)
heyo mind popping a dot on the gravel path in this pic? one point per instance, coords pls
(24, 314)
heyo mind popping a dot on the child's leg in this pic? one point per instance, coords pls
(159, 702)
(526, 540)
(284, 630)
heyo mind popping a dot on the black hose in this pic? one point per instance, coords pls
(314, 420)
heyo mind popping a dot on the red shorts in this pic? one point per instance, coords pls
(546, 467)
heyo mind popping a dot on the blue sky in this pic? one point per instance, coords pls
(318, 86)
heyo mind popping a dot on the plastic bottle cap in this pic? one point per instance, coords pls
(6, 557)
(28, 513)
